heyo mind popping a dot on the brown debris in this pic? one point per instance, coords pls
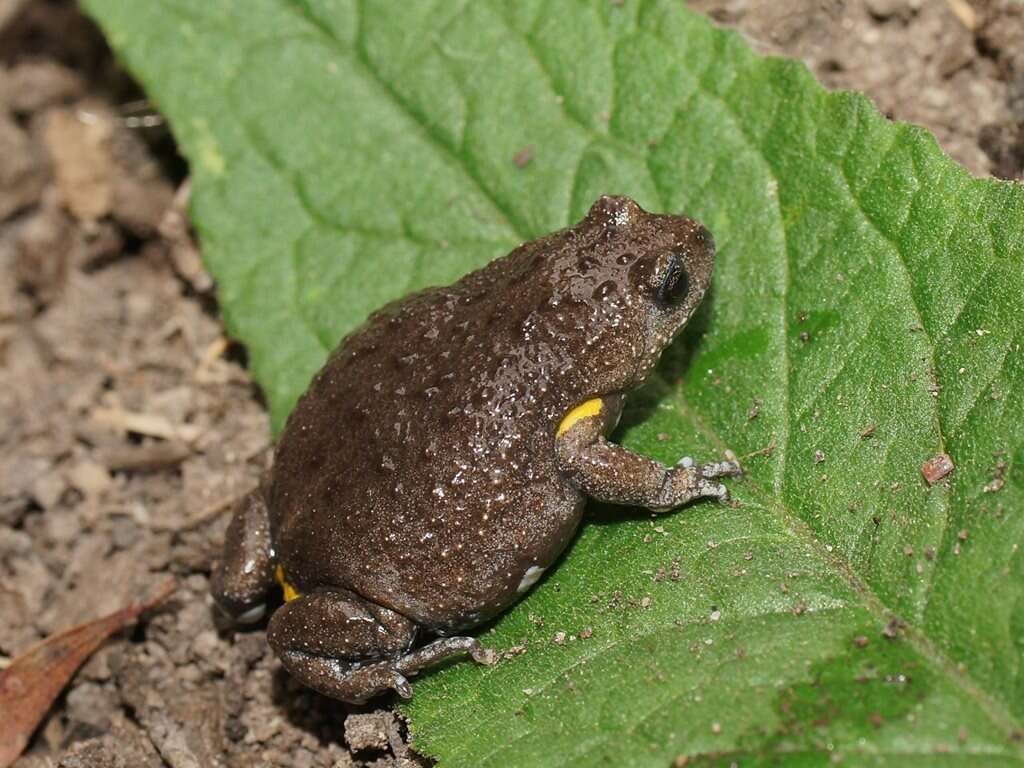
(368, 731)
(893, 628)
(936, 468)
(22, 170)
(523, 157)
(32, 85)
(77, 141)
(998, 478)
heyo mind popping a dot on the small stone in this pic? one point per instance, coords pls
(48, 489)
(90, 478)
(884, 9)
(32, 85)
(82, 164)
(367, 731)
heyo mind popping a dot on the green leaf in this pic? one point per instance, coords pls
(866, 316)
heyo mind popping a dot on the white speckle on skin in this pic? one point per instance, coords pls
(529, 578)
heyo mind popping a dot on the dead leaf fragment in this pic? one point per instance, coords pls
(33, 680)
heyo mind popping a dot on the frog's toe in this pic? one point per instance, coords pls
(401, 685)
(730, 468)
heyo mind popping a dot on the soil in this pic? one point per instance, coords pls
(130, 425)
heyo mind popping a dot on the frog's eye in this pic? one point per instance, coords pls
(674, 282)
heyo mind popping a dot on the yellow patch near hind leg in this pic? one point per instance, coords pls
(290, 592)
(582, 411)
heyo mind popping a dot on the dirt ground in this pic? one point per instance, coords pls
(128, 423)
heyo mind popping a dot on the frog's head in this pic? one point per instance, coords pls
(661, 267)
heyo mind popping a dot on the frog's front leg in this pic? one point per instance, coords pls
(352, 649)
(245, 573)
(608, 472)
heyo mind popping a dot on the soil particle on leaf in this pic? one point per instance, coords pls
(936, 468)
(523, 157)
(893, 628)
(998, 478)
(755, 409)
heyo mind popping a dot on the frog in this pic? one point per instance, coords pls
(439, 462)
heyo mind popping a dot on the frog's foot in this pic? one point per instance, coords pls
(352, 681)
(687, 481)
(728, 468)
(245, 574)
(437, 651)
(341, 644)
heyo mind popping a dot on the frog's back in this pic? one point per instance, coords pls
(419, 467)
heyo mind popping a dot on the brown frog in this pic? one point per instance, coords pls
(440, 460)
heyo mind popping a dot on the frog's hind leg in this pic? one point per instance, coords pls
(349, 648)
(245, 573)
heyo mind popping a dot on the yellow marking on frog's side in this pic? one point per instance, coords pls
(290, 592)
(582, 411)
